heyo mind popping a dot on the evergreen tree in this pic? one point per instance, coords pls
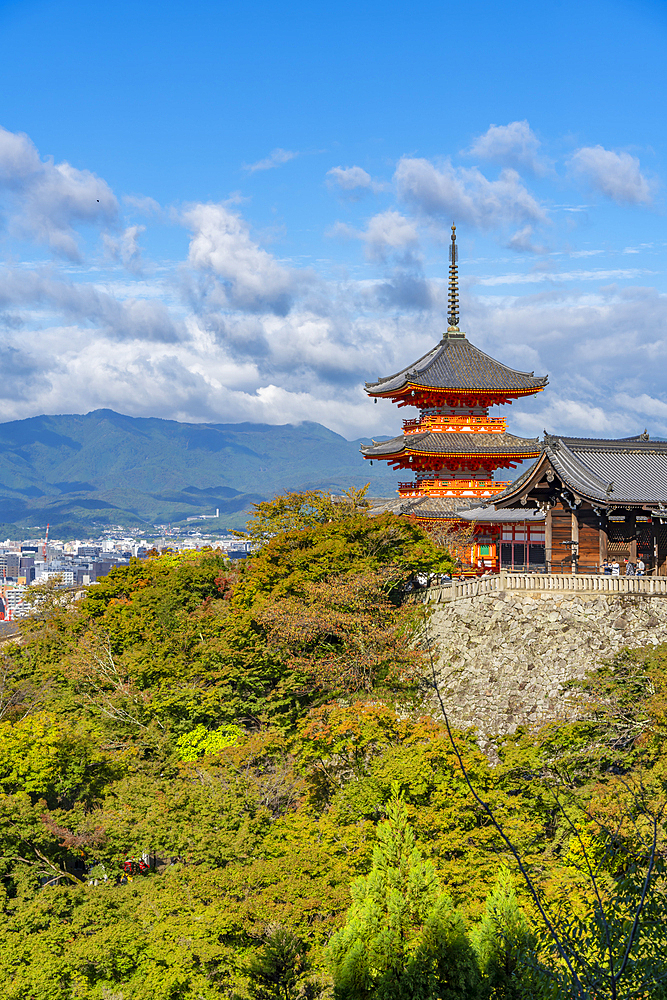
(278, 971)
(403, 938)
(502, 940)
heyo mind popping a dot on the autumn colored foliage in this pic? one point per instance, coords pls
(220, 780)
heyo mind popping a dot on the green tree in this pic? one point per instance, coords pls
(402, 938)
(200, 742)
(502, 940)
(611, 943)
(278, 971)
(346, 543)
(50, 758)
(291, 511)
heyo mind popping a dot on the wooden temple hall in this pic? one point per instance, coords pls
(603, 500)
(582, 502)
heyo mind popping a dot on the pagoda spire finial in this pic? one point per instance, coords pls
(453, 299)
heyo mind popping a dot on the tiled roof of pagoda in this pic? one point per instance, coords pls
(455, 363)
(454, 444)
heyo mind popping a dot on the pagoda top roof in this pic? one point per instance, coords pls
(457, 364)
(430, 443)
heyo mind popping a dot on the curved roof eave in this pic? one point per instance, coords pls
(473, 445)
(631, 471)
(457, 365)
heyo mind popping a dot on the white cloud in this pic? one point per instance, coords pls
(513, 145)
(522, 240)
(392, 230)
(616, 175)
(82, 347)
(343, 231)
(388, 231)
(466, 195)
(353, 182)
(143, 205)
(126, 249)
(561, 415)
(275, 159)
(639, 249)
(539, 277)
(604, 354)
(349, 178)
(46, 200)
(642, 403)
(45, 297)
(232, 333)
(246, 277)
(391, 238)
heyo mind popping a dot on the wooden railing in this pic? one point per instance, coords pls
(444, 487)
(655, 586)
(431, 421)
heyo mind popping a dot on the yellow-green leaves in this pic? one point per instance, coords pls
(199, 742)
(50, 757)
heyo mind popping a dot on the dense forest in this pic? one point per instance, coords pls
(219, 780)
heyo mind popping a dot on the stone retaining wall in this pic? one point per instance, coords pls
(503, 658)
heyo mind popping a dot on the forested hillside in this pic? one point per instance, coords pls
(85, 471)
(218, 781)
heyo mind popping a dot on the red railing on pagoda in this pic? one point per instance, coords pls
(458, 424)
(452, 488)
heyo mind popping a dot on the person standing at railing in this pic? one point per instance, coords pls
(629, 567)
(641, 567)
(615, 569)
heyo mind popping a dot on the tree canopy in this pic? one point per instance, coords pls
(200, 767)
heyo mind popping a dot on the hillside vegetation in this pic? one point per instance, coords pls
(218, 781)
(81, 472)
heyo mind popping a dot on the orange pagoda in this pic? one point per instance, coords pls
(454, 447)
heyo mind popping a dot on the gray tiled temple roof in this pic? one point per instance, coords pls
(455, 363)
(451, 509)
(484, 515)
(451, 443)
(611, 472)
(423, 506)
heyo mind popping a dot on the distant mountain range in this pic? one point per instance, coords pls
(82, 473)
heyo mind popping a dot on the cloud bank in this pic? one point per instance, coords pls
(229, 331)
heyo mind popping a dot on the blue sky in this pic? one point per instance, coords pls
(227, 212)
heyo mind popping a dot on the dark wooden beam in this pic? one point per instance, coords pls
(604, 540)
